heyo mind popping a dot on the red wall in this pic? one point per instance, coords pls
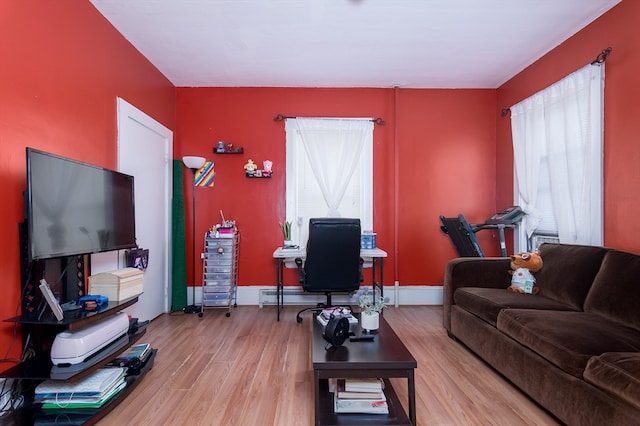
(618, 29)
(446, 145)
(441, 151)
(63, 66)
(432, 133)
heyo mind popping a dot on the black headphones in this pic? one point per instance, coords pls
(336, 331)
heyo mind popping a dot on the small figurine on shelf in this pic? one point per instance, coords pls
(250, 168)
(220, 146)
(267, 164)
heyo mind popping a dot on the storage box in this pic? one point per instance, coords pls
(226, 232)
(368, 240)
(117, 285)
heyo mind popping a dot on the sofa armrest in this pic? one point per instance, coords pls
(488, 272)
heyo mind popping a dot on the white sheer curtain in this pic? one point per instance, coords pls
(338, 152)
(327, 140)
(563, 125)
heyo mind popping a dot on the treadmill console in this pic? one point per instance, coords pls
(509, 216)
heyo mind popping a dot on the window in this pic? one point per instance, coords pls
(329, 171)
(557, 144)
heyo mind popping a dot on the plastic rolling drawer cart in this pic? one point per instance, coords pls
(220, 271)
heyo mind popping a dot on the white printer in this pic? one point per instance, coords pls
(74, 347)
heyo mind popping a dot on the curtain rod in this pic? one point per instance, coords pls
(281, 117)
(601, 58)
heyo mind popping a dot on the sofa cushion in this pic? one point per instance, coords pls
(617, 373)
(567, 339)
(616, 289)
(568, 272)
(486, 303)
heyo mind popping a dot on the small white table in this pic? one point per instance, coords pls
(371, 257)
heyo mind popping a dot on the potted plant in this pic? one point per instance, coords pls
(371, 304)
(286, 232)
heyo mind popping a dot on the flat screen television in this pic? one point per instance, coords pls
(74, 208)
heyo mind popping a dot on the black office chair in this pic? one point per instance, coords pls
(333, 262)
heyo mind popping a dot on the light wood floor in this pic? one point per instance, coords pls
(251, 370)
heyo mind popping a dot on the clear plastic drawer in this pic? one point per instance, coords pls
(215, 256)
(217, 302)
(216, 299)
(217, 269)
(217, 288)
(216, 276)
(215, 283)
(224, 243)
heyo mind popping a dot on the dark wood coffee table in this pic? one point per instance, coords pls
(386, 356)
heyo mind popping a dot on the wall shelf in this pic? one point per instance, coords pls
(236, 150)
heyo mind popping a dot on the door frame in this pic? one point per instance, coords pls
(128, 112)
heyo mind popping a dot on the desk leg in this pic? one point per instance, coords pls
(280, 292)
(279, 287)
(381, 265)
(373, 276)
(380, 262)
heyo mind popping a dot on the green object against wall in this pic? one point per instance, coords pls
(178, 267)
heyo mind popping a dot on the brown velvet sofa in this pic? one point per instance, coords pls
(574, 348)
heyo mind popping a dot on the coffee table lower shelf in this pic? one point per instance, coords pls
(325, 415)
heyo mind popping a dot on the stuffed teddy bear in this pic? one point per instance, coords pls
(523, 266)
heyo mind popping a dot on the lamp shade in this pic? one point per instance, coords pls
(193, 162)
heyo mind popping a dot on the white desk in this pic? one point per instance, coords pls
(371, 257)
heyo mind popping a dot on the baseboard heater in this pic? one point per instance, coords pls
(298, 297)
(75, 347)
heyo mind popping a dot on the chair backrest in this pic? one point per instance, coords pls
(333, 255)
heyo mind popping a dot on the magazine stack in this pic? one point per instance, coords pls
(358, 396)
(91, 392)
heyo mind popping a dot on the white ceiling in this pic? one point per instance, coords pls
(347, 43)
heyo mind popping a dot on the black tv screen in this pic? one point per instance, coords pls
(75, 208)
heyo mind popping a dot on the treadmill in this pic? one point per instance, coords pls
(463, 234)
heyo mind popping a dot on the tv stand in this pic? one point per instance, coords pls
(39, 368)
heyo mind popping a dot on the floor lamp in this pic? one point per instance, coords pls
(193, 163)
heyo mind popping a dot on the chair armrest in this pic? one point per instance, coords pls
(361, 270)
(487, 272)
(301, 275)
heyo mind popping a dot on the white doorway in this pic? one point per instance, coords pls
(144, 150)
